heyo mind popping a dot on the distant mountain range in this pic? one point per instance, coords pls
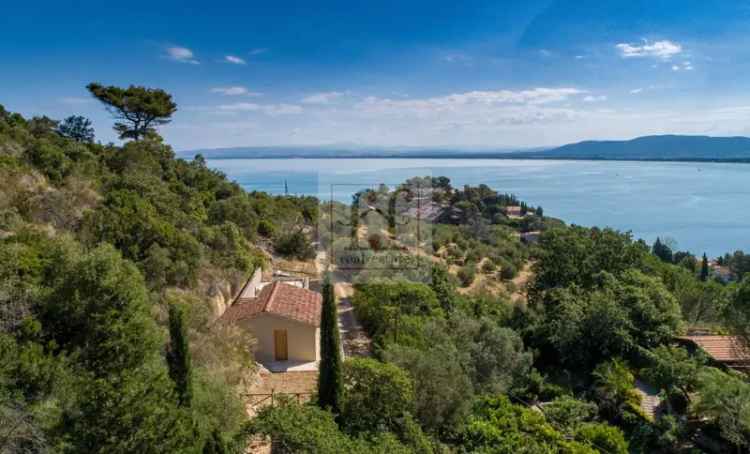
(648, 148)
(662, 148)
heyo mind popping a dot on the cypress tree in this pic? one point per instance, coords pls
(178, 355)
(330, 384)
(662, 251)
(704, 268)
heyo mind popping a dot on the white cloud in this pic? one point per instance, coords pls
(473, 111)
(234, 91)
(258, 51)
(268, 109)
(234, 60)
(535, 96)
(591, 98)
(182, 55)
(635, 91)
(322, 98)
(663, 50)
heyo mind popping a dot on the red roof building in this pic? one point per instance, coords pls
(730, 351)
(284, 300)
(284, 319)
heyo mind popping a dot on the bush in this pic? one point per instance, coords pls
(266, 228)
(488, 266)
(467, 273)
(603, 437)
(294, 245)
(508, 272)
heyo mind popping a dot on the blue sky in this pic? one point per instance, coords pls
(475, 74)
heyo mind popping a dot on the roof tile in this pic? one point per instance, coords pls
(280, 299)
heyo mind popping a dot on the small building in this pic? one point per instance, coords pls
(729, 351)
(284, 318)
(513, 211)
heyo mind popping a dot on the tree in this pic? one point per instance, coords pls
(499, 427)
(704, 268)
(330, 383)
(77, 128)
(674, 369)
(737, 312)
(443, 389)
(294, 245)
(305, 429)
(568, 412)
(140, 109)
(178, 355)
(663, 251)
(603, 437)
(726, 399)
(615, 389)
(377, 396)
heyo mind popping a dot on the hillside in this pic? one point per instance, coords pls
(110, 257)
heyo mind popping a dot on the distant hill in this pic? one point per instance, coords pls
(666, 147)
(342, 151)
(648, 148)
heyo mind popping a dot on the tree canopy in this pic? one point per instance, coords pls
(139, 109)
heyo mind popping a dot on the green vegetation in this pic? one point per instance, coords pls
(108, 260)
(178, 355)
(111, 257)
(329, 378)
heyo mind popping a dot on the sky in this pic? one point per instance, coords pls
(470, 74)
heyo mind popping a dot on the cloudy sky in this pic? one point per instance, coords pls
(390, 73)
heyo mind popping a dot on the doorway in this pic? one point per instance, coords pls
(281, 349)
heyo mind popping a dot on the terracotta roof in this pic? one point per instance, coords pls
(280, 299)
(722, 348)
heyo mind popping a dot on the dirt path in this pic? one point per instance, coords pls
(522, 278)
(353, 337)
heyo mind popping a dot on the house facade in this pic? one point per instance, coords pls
(284, 318)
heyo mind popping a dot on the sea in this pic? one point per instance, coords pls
(697, 207)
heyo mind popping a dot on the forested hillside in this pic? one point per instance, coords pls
(113, 260)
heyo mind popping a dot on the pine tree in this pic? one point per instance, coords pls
(704, 268)
(330, 384)
(178, 355)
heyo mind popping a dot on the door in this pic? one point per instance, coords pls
(281, 352)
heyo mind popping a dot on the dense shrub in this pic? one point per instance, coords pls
(294, 245)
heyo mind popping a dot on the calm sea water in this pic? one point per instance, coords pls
(702, 207)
